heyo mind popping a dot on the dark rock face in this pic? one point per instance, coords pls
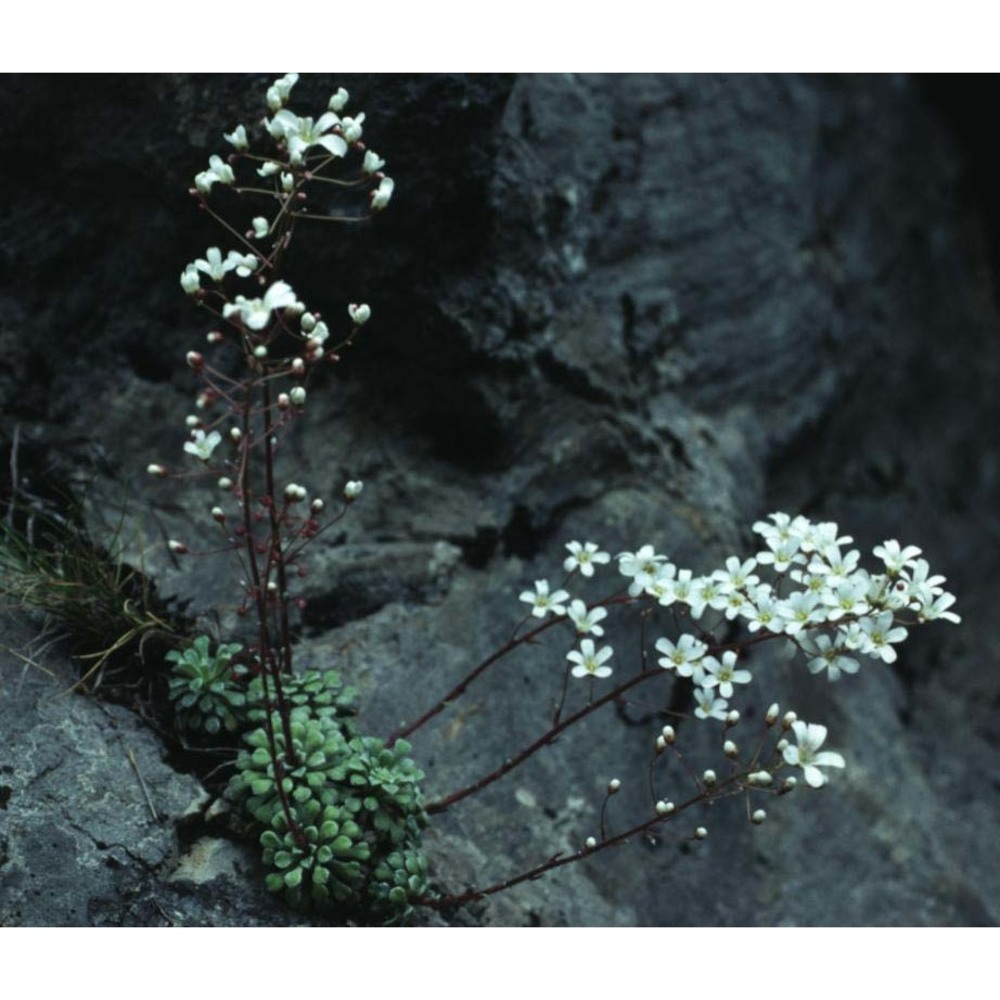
(628, 309)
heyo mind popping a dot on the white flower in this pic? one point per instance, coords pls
(352, 128)
(360, 314)
(800, 610)
(894, 557)
(190, 281)
(781, 553)
(381, 195)
(828, 654)
(810, 737)
(833, 566)
(849, 597)
(643, 563)
(202, 445)
(923, 587)
(260, 227)
(667, 588)
(766, 613)
(877, 634)
(256, 313)
(320, 333)
(301, 134)
(583, 557)
(245, 264)
(339, 100)
(723, 673)
(937, 609)
(216, 268)
(736, 575)
(661, 585)
(372, 162)
(682, 656)
(705, 592)
(352, 489)
(707, 706)
(237, 138)
(586, 621)
(588, 662)
(219, 172)
(543, 602)
(279, 91)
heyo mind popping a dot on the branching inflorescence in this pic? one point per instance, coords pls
(339, 815)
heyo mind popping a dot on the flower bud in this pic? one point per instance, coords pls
(179, 548)
(283, 401)
(298, 395)
(709, 777)
(730, 749)
(307, 322)
(758, 817)
(360, 314)
(661, 744)
(339, 101)
(218, 514)
(225, 483)
(669, 735)
(298, 366)
(235, 435)
(788, 784)
(294, 492)
(590, 843)
(157, 470)
(272, 587)
(192, 421)
(732, 717)
(760, 779)
(351, 128)
(195, 360)
(613, 785)
(352, 490)
(372, 162)
(260, 227)
(215, 337)
(381, 195)
(287, 182)
(237, 138)
(780, 745)
(772, 714)
(664, 808)
(260, 352)
(190, 281)
(788, 720)
(700, 833)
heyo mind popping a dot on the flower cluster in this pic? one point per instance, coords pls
(817, 597)
(243, 289)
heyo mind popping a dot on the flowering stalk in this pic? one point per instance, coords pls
(270, 534)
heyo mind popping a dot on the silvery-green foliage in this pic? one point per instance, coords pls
(204, 690)
(321, 691)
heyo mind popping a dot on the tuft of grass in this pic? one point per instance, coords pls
(49, 564)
